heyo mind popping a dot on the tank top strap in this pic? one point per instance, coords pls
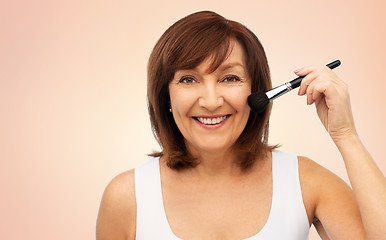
(151, 218)
(288, 217)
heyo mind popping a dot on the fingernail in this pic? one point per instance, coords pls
(297, 70)
(299, 92)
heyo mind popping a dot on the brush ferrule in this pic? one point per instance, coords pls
(278, 91)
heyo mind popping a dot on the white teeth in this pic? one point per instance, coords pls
(211, 121)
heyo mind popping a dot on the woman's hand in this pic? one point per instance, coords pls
(330, 95)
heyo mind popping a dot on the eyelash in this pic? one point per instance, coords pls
(190, 80)
(185, 78)
(235, 78)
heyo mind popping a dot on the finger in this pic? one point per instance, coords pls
(317, 96)
(311, 92)
(318, 93)
(306, 82)
(305, 70)
(329, 91)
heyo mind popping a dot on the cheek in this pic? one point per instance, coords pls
(238, 98)
(181, 102)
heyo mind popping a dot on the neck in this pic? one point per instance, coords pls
(216, 163)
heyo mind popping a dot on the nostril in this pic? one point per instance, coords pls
(211, 102)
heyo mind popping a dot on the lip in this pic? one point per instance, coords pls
(215, 126)
(212, 116)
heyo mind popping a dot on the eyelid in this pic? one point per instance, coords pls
(181, 80)
(237, 78)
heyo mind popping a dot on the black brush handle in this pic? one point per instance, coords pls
(296, 82)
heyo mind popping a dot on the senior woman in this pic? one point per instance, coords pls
(216, 177)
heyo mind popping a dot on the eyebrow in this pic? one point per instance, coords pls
(224, 67)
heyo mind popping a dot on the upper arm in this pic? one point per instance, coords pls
(117, 212)
(335, 207)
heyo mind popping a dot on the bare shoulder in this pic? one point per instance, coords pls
(117, 212)
(311, 173)
(319, 181)
(330, 201)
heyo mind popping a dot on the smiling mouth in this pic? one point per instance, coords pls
(211, 121)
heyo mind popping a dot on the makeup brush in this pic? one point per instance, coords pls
(259, 101)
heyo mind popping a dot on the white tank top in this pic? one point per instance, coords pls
(287, 219)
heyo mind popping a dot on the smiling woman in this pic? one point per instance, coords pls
(209, 109)
(193, 54)
(215, 176)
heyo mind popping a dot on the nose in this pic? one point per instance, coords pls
(211, 97)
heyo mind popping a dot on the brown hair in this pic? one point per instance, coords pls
(184, 46)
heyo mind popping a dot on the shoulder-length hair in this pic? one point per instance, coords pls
(185, 45)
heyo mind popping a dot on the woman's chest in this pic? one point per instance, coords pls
(223, 211)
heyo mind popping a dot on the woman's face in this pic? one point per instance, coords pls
(210, 109)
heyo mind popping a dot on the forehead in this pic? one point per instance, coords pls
(235, 58)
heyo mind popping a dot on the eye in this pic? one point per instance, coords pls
(231, 78)
(187, 80)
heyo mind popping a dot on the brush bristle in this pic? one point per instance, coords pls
(258, 101)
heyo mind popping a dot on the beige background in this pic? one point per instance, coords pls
(73, 105)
